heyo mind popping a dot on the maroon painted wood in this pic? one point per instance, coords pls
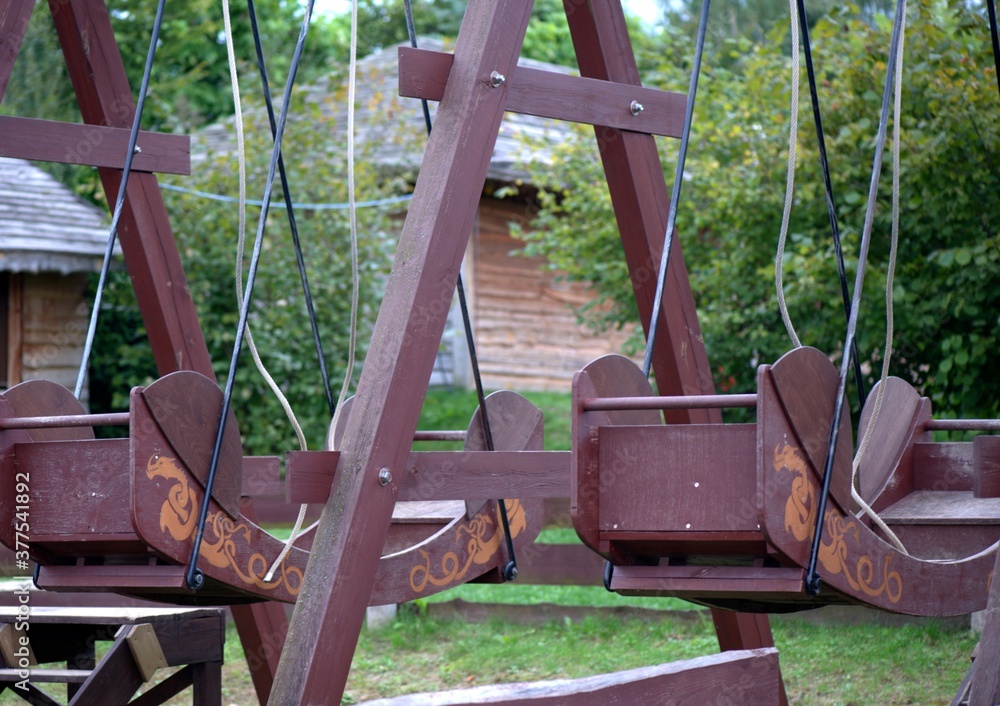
(261, 476)
(680, 402)
(985, 682)
(355, 521)
(14, 18)
(309, 476)
(469, 546)
(711, 582)
(424, 74)
(943, 466)
(641, 201)
(186, 406)
(891, 439)
(853, 560)
(745, 677)
(105, 98)
(92, 145)
(986, 464)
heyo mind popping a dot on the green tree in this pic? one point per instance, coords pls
(206, 236)
(948, 279)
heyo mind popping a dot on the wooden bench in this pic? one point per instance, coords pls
(143, 641)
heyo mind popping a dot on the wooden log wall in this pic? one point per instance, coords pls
(53, 326)
(527, 335)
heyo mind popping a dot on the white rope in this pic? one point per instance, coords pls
(241, 236)
(889, 278)
(793, 137)
(355, 280)
(352, 211)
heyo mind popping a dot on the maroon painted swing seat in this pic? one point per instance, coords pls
(724, 514)
(120, 515)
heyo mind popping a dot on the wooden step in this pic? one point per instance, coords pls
(947, 507)
(709, 581)
(111, 578)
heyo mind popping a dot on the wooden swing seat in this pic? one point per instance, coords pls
(724, 514)
(120, 515)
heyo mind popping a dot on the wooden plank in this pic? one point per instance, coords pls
(677, 478)
(985, 689)
(114, 681)
(641, 201)
(108, 615)
(110, 577)
(207, 686)
(405, 341)
(891, 437)
(15, 330)
(166, 689)
(261, 476)
(943, 466)
(14, 19)
(710, 581)
(986, 464)
(105, 98)
(746, 677)
(146, 650)
(445, 475)
(424, 74)
(949, 507)
(559, 565)
(192, 640)
(92, 145)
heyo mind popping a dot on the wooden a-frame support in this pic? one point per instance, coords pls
(330, 610)
(147, 241)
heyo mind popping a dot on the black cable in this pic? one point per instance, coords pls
(992, 10)
(510, 568)
(827, 183)
(194, 577)
(813, 581)
(293, 226)
(668, 238)
(109, 252)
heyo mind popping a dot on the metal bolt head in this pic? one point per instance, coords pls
(384, 477)
(496, 79)
(137, 150)
(635, 108)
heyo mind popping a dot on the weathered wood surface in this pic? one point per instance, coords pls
(986, 462)
(947, 507)
(470, 546)
(261, 476)
(806, 384)
(943, 466)
(186, 406)
(92, 145)
(985, 686)
(662, 478)
(740, 677)
(424, 74)
(709, 582)
(355, 521)
(852, 560)
(14, 19)
(892, 439)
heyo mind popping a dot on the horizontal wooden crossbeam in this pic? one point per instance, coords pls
(92, 145)
(424, 73)
(444, 475)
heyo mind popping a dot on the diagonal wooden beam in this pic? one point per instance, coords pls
(641, 201)
(345, 553)
(105, 98)
(14, 18)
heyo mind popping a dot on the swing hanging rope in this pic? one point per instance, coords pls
(109, 252)
(510, 569)
(194, 577)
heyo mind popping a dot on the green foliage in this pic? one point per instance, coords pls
(206, 238)
(948, 279)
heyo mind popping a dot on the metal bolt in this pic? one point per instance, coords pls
(385, 476)
(497, 78)
(635, 108)
(137, 150)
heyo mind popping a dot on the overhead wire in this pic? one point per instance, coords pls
(109, 251)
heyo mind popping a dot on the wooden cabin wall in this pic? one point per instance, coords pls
(53, 326)
(527, 335)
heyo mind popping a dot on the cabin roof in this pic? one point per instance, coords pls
(44, 226)
(392, 128)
